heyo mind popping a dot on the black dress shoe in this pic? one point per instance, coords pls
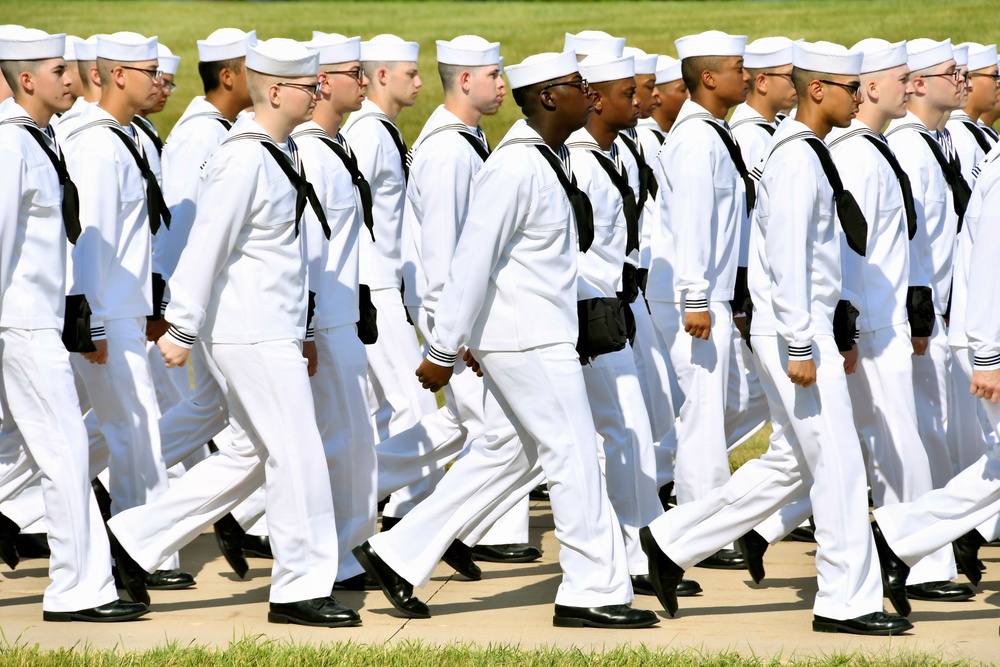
(229, 535)
(724, 559)
(169, 580)
(642, 585)
(665, 493)
(894, 573)
(540, 492)
(111, 612)
(966, 550)
(131, 574)
(688, 588)
(940, 591)
(8, 542)
(257, 546)
(103, 498)
(802, 534)
(612, 616)
(359, 582)
(664, 574)
(32, 545)
(878, 623)
(506, 553)
(398, 590)
(320, 612)
(459, 557)
(753, 546)
(389, 521)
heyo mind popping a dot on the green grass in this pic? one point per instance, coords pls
(259, 652)
(522, 28)
(751, 449)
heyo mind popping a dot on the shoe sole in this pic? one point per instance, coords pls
(708, 565)
(252, 553)
(370, 569)
(240, 567)
(950, 598)
(562, 622)
(648, 545)
(515, 559)
(171, 587)
(285, 619)
(67, 616)
(822, 626)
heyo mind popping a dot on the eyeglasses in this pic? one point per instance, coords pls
(786, 75)
(995, 77)
(311, 88)
(358, 74)
(154, 74)
(954, 75)
(580, 84)
(854, 89)
(168, 86)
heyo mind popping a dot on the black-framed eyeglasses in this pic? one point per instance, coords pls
(580, 84)
(311, 88)
(154, 74)
(169, 86)
(995, 77)
(786, 75)
(954, 75)
(358, 73)
(853, 88)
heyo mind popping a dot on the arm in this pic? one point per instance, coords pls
(909, 152)
(12, 169)
(982, 318)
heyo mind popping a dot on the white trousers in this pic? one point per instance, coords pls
(38, 381)
(931, 386)
(702, 368)
(970, 434)
(621, 420)
(814, 439)
(657, 381)
(172, 384)
(746, 404)
(541, 393)
(268, 392)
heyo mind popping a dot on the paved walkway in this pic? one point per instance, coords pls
(512, 605)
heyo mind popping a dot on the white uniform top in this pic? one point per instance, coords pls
(970, 153)
(7, 108)
(632, 171)
(748, 128)
(333, 264)
(437, 202)
(982, 224)
(877, 283)
(195, 137)
(32, 234)
(379, 160)
(932, 249)
(795, 249)
(152, 155)
(702, 205)
(990, 131)
(112, 263)
(242, 277)
(600, 268)
(70, 120)
(651, 138)
(512, 284)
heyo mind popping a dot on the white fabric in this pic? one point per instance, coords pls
(880, 54)
(32, 44)
(768, 52)
(710, 43)
(598, 68)
(334, 49)
(279, 56)
(542, 67)
(923, 53)
(587, 42)
(980, 56)
(381, 48)
(645, 63)
(667, 69)
(826, 57)
(126, 46)
(167, 60)
(225, 44)
(931, 386)
(963, 139)
(468, 50)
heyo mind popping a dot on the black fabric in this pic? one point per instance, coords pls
(904, 182)
(310, 309)
(367, 316)
(990, 131)
(737, 158)
(660, 137)
(648, 186)
(70, 195)
(582, 210)
(155, 206)
(741, 291)
(157, 142)
(920, 311)
(482, 151)
(852, 219)
(76, 326)
(630, 207)
(303, 189)
(767, 127)
(845, 325)
(952, 170)
(642, 277)
(397, 139)
(159, 287)
(603, 328)
(360, 182)
(225, 123)
(978, 134)
(630, 283)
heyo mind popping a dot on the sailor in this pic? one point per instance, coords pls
(90, 84)
(971, 142)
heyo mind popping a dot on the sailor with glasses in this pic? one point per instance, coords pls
(972, 142)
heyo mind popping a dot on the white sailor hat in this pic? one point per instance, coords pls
(168, 61)
(86, 51)
(129, 47)
(960, 52)
(922, 53)
(880, 54)
(469, 51)
(667, 69)
(710, 43)
(225, 44)
(601, 67)
(31, 44)
(71, 42)
(334, 48)
(645, 63)
(589, 42)
(826, 57)
(541, 67)
(389, 48)
(282, 57)
(981, 56)
(768, 52)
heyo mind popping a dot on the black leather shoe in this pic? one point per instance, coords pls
(111, 612)
(753, 546)
(940, 591)
(540, 492)
(133, 577)
(506, 553)
(321, 612)
(724, 559)
(103, 498)
(894, 573)
(664, 574)
(966, 550)
(612, 616)
(229, 535)
(398, 590)
(257, 546)
(665, 493)
(688, 588)
(32, 545)
(169, 580)
(389, 521)
(642, 585)
(878, 623)
(8, 542)
(359, 582)
(459, 557)
(802, 534)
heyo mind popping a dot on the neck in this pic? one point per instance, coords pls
(92, 94)
(274, 124)
(227, 104)
(760, 105)
(143, 113)
(465, 112)
(602, 133)
(710, 102)
(553, 135)
(329, 118)
(118, 106)
(387, 106)
(811, 117)
(928, 115)
(664, 120)
(972, 113)
(40, 115)
(872, 117)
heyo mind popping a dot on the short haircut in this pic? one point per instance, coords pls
(104, 69)
(692, 68)
(372, 66)
(83, 67)
(210, 71)
(12, 71)
(802, 78)
(523, 96)
(257, 83)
